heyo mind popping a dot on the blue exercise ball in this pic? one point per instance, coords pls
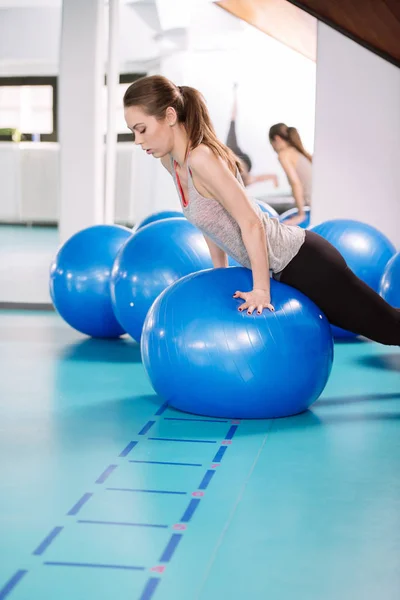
(271, 212)
(365, 249)
(80, 280)
(205, 357)
(293, 212)
(390, 283)
(159, 216)
(154, 257)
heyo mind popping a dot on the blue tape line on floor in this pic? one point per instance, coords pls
(77, 507)
(106, 474)
(11, 583)
(47, 541)
(128, 448)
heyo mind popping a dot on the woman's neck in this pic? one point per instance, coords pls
(180, 146)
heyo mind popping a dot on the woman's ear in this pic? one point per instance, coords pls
(171, 116)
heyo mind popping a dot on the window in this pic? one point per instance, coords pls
(29, 106)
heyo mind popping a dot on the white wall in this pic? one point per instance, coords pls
(137, 44)
(29, 40)
(357, 135)
(276, 84)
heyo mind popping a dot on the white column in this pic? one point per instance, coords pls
(81, 117)
(112, 90)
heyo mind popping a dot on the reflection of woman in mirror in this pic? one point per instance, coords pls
(296, 162)
(244, 158)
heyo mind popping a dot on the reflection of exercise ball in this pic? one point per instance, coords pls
(267, 209)
(390, 283)
(155, 256)
(205, 357)
(293, 212)
(365, 249)
(80, 278)
(158, 216)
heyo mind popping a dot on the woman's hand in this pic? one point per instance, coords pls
(256, 299)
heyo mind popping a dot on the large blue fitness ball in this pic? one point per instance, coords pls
(158, 216)
(365, 249)
(390, 283)
(155, 256)
(80, 280)
(205, 357)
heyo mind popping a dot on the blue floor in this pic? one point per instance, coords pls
(105, 493)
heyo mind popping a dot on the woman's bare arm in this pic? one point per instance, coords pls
(214, 175)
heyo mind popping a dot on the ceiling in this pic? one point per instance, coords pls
(375, 24)
(280, 20)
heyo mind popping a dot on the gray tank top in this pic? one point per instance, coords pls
(283, 242)
(304, 172)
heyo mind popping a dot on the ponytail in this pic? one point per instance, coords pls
(200, 130)
(291, 136)
(295, 141)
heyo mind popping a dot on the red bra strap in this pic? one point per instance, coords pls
(184, 201)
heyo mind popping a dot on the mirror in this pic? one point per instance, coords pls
(249, 79)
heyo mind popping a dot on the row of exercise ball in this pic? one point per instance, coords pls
(192, 327)
(104, 279)
(104, 291)
(200, 352)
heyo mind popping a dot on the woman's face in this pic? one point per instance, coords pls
(154, 136)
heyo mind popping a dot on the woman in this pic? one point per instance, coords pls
(245, 160)
(296, 163)
(172, 123)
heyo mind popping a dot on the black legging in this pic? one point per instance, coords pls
(321, 273)
(231, 140)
